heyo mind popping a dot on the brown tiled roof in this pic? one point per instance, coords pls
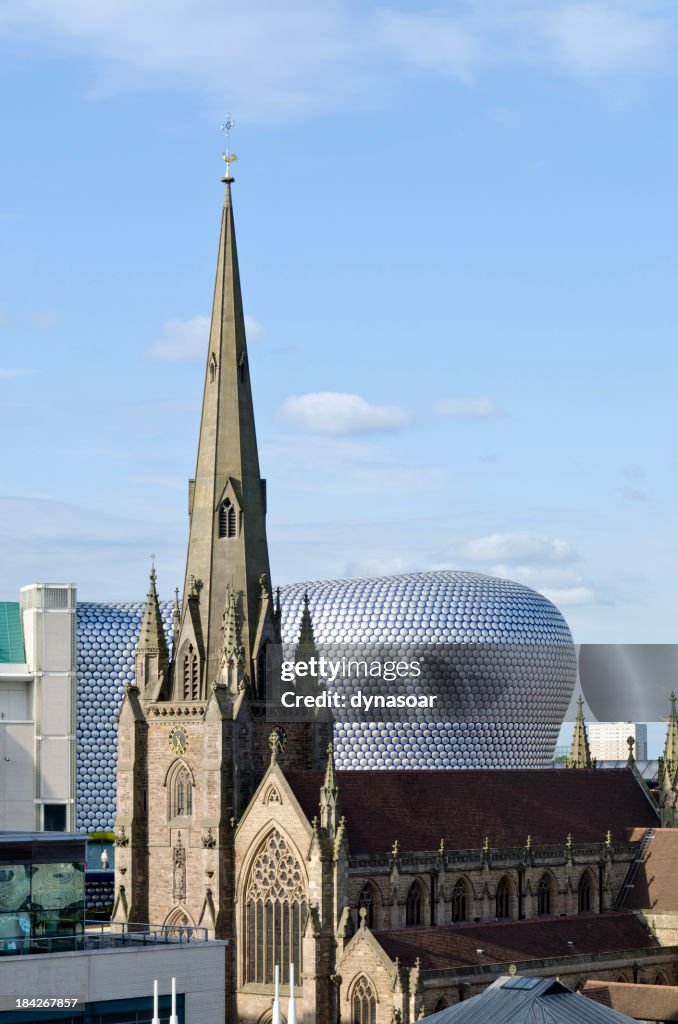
(419, 808)
(654, 886)
(513, 941)
(643, 1002)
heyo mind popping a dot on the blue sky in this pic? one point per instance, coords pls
(457, 232)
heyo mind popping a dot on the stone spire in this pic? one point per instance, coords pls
(306, 638)
(670, 759)
(580, 752)
(329, 796)
(151, 654)
(227, 500)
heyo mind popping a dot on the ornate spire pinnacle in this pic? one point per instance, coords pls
(306, 647)
(151, 634)
(151, 654)
(670, 761)
(227, 542)
(329, 796)
(580, 752)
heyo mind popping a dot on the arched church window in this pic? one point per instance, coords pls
(413, 905)
(585, 893)
(440, 1005)
(275, 911)
(227, 519)
(503, 899)
(460, 901)
(181, 795)
(363, 1003)
(544, 896)
(366, 900)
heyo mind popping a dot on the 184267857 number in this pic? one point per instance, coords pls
(44, 1002)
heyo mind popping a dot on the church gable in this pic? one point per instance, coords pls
(274, 802)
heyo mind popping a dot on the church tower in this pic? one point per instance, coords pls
(193, 735)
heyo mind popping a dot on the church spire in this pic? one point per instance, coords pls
(580, 752)
(151, 655)
(306, 647)
(227, 545)
(670, 759)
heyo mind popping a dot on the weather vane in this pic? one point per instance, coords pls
(228, 157)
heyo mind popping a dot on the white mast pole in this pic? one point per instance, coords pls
(156, 1018)
(292, 1005)
(276, 1017)
(174, 1019)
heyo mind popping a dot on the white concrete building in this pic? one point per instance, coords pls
(38, 708)
(609, 740)
(117, 984)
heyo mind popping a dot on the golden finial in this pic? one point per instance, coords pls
(395, 848)
(608, 838)
(528, 844)
(486, 844)
(228, 157)
(568, 841)
(441, 848)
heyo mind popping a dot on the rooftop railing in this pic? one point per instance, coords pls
(104, 935)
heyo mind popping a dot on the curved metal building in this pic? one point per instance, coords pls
(527, 655)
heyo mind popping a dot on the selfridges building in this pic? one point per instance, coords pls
(522, 648)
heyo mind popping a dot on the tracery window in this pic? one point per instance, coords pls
(227, 519)
(181, 793)
(459, 901)
(366, 900)
(191, 674)
(544, 896)
(363, 1003)
(585, 893)
(503, 899)
(275, 912)
(413, 905)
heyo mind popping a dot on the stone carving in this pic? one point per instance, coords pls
(179, 872)
(121, 838)
(209, 840)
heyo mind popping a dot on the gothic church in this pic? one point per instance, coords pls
(394, 893)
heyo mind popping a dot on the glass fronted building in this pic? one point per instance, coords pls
(42, 891)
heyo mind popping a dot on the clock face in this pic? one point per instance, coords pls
(178, 740)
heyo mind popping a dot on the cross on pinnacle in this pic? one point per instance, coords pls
(228, 157)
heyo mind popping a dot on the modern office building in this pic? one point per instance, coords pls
(609, 740)
(57, 966)
(38, 708)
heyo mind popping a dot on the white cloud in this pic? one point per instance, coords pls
(435, 40)
(185, 341)
(518, 547)
(467, 408)
(562, 586)
(633, 494)
(334, 412)
(597, 39)
(271, 57)
(11, 373)
(569, 597)
(46, 320)
(182, 341)
(377, 567)
(253, 329)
